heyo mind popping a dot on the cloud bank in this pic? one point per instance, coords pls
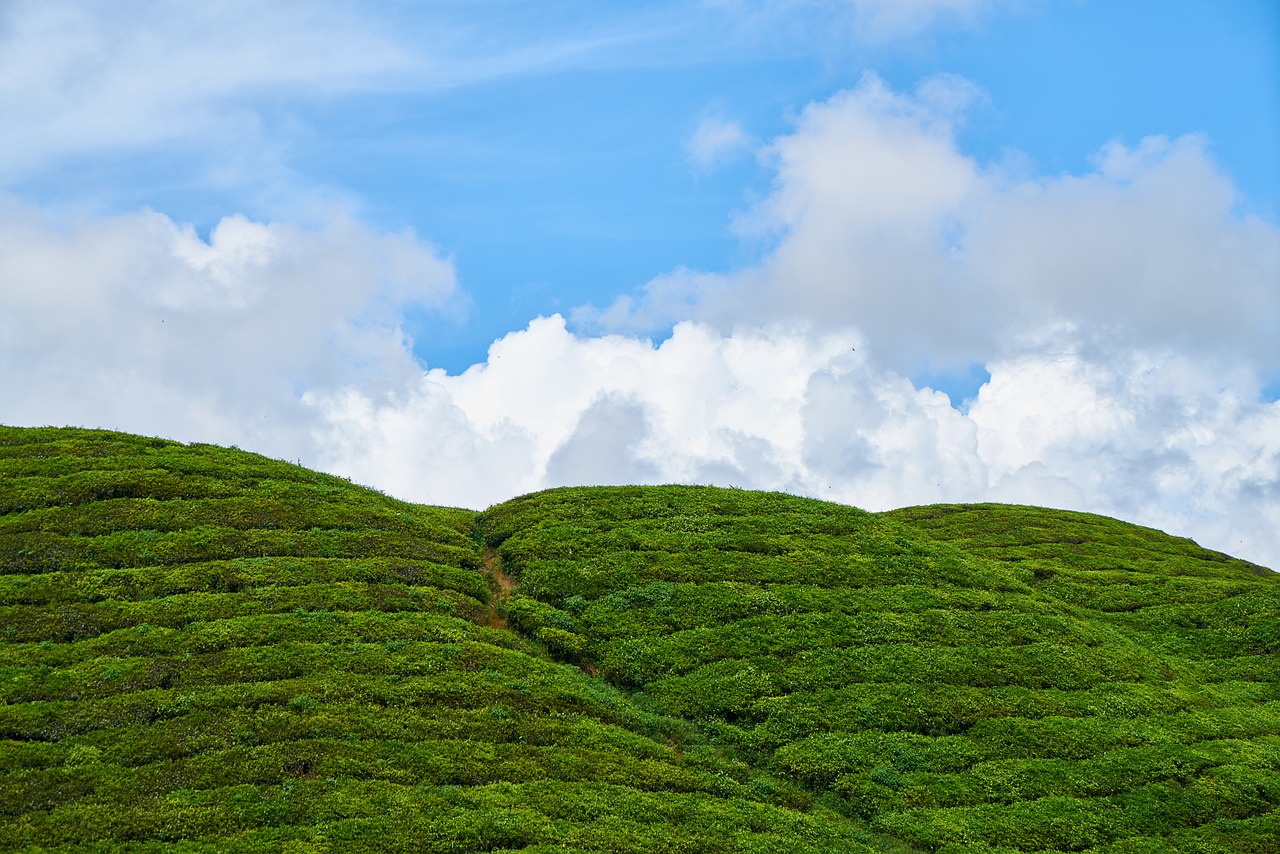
(1155, 436)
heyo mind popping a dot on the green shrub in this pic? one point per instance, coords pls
(205, 650)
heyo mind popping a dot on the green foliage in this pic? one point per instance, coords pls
(1002, 677)
(205, 650)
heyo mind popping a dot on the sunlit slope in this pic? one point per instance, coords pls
(205, 650)
(959, 684)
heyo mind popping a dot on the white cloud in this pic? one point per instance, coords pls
(232, 81)
(1149, 435)
(135, 322)
(228, 88)
(90, 78)
(1152, 437)
(879, 221)
(286, 341)
(700, 406)
(715, 141)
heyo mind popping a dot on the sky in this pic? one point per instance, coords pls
(880, 252)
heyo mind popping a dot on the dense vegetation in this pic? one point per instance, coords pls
(205, 650)
(974, 676)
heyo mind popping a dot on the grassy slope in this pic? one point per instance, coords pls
(201, 649)
(1006, 677)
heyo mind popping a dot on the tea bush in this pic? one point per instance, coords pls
(205, 650)
(1008, 677)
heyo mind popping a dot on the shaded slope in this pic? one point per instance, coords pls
(922, 676)
(205, 650)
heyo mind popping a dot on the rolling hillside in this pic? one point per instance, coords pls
(205, 650)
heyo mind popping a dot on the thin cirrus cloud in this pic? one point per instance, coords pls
(870, 22)
(88, 79)
(232, 79)
(81, 79)
(882, 20)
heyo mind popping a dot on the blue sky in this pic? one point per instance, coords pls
(1062, 215)
(567, 181)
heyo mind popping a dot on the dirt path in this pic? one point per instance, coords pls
(500, 583)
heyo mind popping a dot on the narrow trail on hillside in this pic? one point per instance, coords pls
(500, 583)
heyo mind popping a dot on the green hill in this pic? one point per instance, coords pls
(205, 650)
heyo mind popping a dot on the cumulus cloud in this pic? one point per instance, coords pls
(880, 221)
(1177, 442)
(607, 409)
(1153, 437)
(136, 322)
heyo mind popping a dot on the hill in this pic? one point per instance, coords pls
(205, 650)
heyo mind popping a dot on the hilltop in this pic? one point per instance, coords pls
(202, 649)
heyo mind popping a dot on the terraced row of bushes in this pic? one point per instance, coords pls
(980, 676)
(204, 650)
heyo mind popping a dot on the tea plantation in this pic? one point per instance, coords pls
(205, 650)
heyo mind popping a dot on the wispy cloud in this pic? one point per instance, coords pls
(715, 141)
(87, 78)
(80, 79)
(884, 20)
(861, 22)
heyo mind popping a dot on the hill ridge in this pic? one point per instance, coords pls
(202, 649)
